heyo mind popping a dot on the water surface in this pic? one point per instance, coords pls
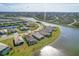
(67, 44)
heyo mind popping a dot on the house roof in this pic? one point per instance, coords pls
(18, 40)
(44, 33)
(38, 35)
(6, 20)
(30, 38)
(2, 32)
(48, 29)
(24, 28)
(3, 46)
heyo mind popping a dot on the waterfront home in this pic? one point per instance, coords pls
(49, 29)
(4, 49)
(37, 35)
(30, 40)
(18, 41)
(43, 32)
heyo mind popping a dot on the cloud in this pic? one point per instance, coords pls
(20, 7)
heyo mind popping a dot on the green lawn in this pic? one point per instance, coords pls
(25, 50)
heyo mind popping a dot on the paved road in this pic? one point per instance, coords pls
(72, 22)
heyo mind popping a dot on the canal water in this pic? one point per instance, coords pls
(66, 45)
(8, 27)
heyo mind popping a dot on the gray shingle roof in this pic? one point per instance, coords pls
(24, 28)
(38, 35)
(30, 38)
(45, 33)
(3, 46)
(49, 29)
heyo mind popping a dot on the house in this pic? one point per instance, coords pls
(38, 36)
(18, 41)
(54, 28)
(4, 49)
(29, 25)
(3, 31)
(24, 28)
(25, 22)
(30, 40)
(12, 30)
(46, 34)
(49, 29)
(6, 20)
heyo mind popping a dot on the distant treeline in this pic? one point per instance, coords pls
(31, 14)
(40, 15)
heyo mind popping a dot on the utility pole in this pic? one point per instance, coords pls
(45, 13)
(45, 16)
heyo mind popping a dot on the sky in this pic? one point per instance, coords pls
(39, 7)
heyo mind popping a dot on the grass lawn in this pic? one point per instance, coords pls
(25, 50)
